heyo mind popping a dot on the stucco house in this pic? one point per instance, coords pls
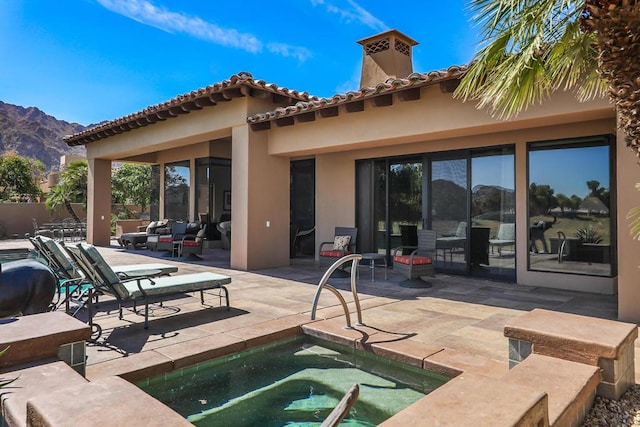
(399, 154)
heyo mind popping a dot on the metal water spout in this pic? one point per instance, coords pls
(354, 259)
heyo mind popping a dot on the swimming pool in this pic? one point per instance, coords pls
(296, 382)
(9, 255)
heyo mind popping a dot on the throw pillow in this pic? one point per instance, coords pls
(151, 228)
(340, 242)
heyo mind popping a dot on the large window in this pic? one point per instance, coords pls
(213, 184)
(154, 206)
(571, 225)
(177, 178)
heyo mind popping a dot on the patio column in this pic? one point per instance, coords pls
(627, 175)
(259, 203)
(99, 202)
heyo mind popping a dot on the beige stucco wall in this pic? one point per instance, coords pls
(436, 116)
(628, 249)
(17, 218)
(259, 203)
(99, 202)
(203, 125)
(335, 195)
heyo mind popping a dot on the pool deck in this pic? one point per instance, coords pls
(461, 317)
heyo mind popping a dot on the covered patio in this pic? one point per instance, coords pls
(464, 315)
(457, 325)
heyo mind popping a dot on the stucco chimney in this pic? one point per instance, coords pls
(386, 55)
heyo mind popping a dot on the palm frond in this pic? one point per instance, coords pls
(634, 218)
(529, 49)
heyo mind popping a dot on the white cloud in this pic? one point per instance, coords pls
(355, 13)
(146, 13)
(300, 53)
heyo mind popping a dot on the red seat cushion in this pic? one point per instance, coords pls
(334, 254)
(417, 260)
(190, 243)
(166, 239)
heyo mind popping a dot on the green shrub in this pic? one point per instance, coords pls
(588, 235)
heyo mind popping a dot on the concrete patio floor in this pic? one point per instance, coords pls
(462, 314)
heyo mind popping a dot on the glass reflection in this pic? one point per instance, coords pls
(569, 208)
(177, 177)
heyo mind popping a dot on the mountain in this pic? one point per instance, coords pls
(32, 133)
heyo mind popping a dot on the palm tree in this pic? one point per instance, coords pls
(72, 188)
(534, 47)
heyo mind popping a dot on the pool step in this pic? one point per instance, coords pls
(571, 386)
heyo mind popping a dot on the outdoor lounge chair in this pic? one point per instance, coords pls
(134, 288)
(419, 262)
(344, 243)
(506, 237)
(70, 277)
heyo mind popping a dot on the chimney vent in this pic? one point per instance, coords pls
(386, 55)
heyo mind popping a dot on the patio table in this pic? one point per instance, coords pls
(372, 257)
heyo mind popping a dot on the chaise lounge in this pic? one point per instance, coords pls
(70, 277)
(134, 288)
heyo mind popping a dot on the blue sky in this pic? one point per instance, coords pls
(86, 61)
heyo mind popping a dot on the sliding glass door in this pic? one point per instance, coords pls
(467, 197)
(389, 207)
(493, 214)
(449, 212)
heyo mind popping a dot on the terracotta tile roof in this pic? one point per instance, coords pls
(241, 84)
(414, 80)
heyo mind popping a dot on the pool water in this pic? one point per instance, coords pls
(10, 255)
(296, 382)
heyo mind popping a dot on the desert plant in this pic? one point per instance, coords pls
(588, 235)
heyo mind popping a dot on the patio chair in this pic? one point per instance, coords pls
(43, 231)
(224, 228)
(303, 243)
(344, 243)
(419, 263)
(192, 244)
(166, 241)
(125, 287)
(71, 229)
(506, 237)
(409, 237)
(453, 243)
